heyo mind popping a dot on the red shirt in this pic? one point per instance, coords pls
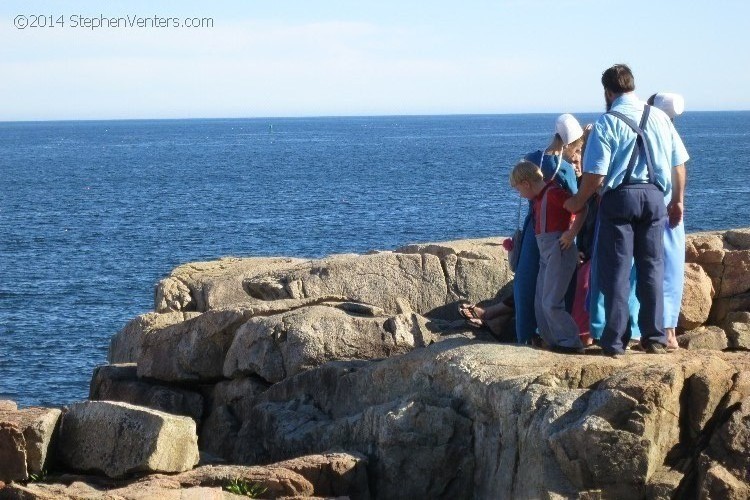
(558, 219)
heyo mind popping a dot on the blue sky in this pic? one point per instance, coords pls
(313, 58)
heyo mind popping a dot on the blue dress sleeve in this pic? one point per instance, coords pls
(566, 176)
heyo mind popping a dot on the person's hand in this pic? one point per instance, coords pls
(572, 205)
(508, 244)
(566, 239)
(674, 211)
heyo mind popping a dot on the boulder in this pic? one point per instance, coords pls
(118, 439)
(276, 347)
(12, 453)
(38, 426)
(696, 298)
(193, 350)
(277, 481)
(704, 248)
(516, 422)
(663, 484)
(475, 270)
(120, 382)
(333, 474)
(738, 334)
(736, 278)
(377, 279)
(125, 345)
(704, 337)
(204, 286)
(738, 238)
(172, 294)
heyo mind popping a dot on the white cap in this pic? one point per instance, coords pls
(568, 128)
(672, 104)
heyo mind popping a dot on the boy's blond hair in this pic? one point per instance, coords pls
(525, 171)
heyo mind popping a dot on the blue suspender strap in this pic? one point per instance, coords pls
(641, 144)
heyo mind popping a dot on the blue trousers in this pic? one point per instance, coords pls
(556, 268)
(524, 283)
(631, 226)
(595, 302)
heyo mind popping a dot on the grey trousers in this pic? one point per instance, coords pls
(556, 268)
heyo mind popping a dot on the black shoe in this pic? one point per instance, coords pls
(567, 350)
(613, 354)
(655, 348)
(536, 341)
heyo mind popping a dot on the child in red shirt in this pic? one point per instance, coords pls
(558, 256)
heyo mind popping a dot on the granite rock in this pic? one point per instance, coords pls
(12, 453)
(704, 337)
(696, 298)
(276, 347)
(120, 382)
(738, 330)
(125, 345)
(118, 439)
(503, 413)
(38, 426)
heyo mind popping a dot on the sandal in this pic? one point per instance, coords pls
(467, 312)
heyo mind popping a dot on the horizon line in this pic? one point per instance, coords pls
(293, 117)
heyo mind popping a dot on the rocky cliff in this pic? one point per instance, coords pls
(353, 375)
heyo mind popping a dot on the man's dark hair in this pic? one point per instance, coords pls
(618, 79)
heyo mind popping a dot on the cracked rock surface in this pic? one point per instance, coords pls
(515, 422)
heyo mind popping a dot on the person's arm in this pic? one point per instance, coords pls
(566, 239)
(676, 207)
(589, 184)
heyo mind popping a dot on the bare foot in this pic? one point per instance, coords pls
(671, 339)
(471, 311)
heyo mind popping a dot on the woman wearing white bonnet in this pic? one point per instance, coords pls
(556, 162)
(672, 104)
(674, 236)
(567, 134)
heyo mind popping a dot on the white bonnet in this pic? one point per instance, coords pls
(672, 104)
(568, 128)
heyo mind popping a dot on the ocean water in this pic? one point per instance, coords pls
(94, 213)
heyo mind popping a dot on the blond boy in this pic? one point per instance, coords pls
(555, 231)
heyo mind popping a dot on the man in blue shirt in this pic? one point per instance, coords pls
(635, 157)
